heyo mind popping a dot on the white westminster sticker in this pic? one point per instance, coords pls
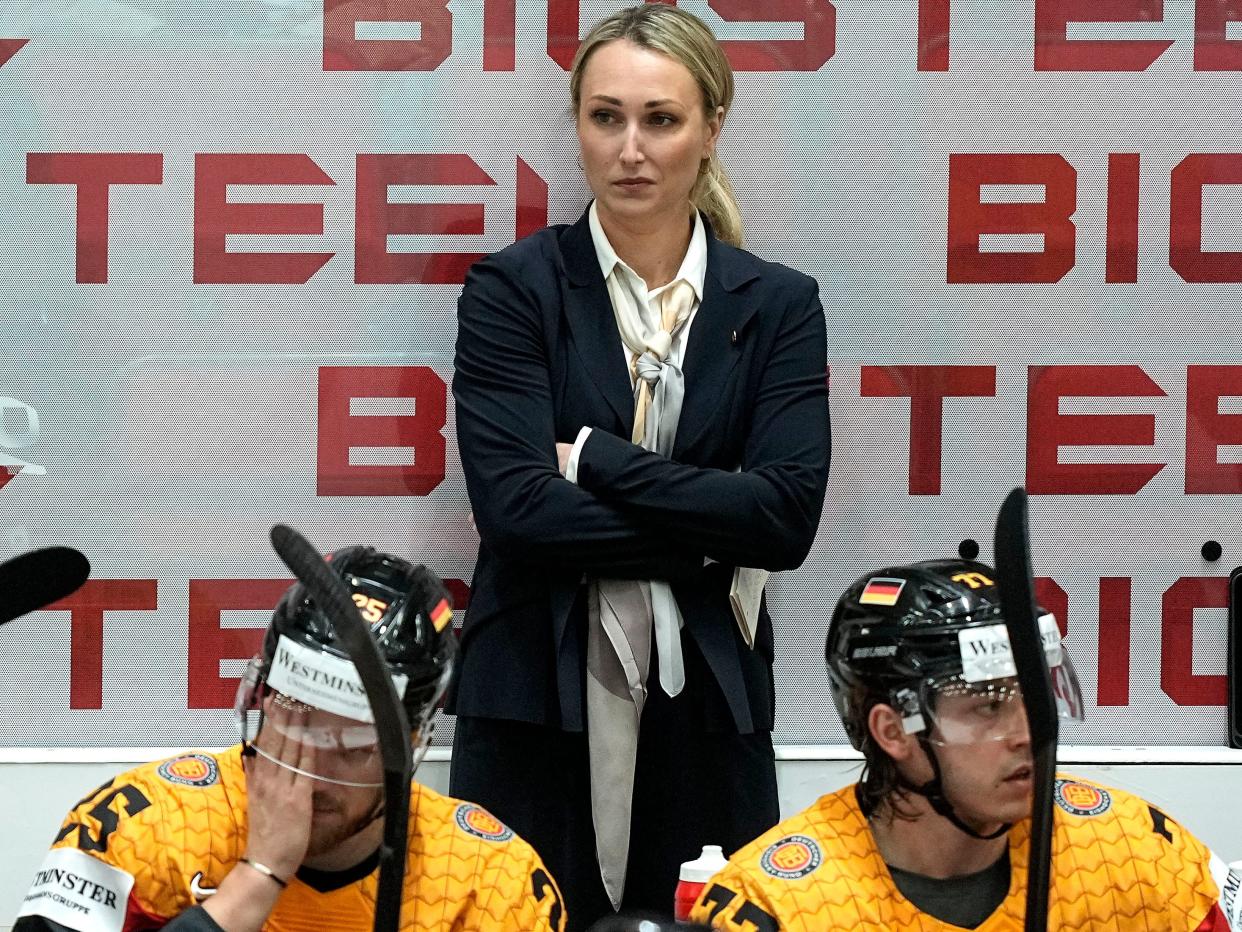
(986, 655)
(79, 892)
(319, 679)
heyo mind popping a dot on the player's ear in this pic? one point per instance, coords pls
(889, 734)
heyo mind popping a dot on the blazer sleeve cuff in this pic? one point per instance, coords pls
(571, 467)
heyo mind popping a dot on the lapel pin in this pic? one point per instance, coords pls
(733, 338)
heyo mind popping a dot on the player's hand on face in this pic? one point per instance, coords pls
(279, 798)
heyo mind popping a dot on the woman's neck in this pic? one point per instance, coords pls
(652, 247)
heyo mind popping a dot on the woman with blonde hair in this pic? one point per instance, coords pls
(642, 412)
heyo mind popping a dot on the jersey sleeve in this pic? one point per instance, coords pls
(1202, 887)
(524, 896)
(96, 877)
(1226, 913)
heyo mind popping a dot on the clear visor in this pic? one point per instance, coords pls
(309, 740)
(984, 702)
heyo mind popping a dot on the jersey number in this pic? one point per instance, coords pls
(542, 886)
(748, 914)
(107, 817)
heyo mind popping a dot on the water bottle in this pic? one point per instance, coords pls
(693, 878)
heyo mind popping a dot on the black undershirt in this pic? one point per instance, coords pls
(960, 901)
(327, 881)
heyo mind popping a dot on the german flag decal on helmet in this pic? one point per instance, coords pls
(882, 591)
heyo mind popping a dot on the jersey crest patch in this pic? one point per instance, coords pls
(791, 858)
(1082, 799)
(190, 770)
(481, 824)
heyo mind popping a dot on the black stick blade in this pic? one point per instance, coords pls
(1017, 591)
(391, 725)
(36, 579)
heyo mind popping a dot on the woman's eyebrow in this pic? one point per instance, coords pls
(663, 101)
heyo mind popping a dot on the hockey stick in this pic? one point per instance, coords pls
(36, 579)
(1017, 591)
(1234, 669)
(391, 725)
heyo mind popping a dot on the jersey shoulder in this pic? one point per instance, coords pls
(831, 829)
(1100, 813)
(472, 863)
(819, 869)
(1149, 864)
(143, 840)
(455, 821)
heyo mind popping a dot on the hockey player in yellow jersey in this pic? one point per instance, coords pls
(282, 832)
(935, 836)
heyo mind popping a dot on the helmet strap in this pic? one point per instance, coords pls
(933, 792)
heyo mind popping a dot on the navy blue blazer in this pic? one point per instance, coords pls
(538, 357)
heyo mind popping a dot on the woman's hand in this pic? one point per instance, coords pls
(563, 450)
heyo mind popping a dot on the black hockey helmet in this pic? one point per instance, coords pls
(306, 670)
(905, 635)
(408, 609)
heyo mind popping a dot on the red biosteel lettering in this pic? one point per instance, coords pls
(1050, 595)
(420, 432)
(215, 218)
(563, 31)
(1186, 254)
(927, 387)
(1048, 430)
(933, 35)
(93, 173)
(1213, 50)
(86, 608)
(970, 216)
(344, 51)
(499, 35)
(1121, 238)
(1177, 614)
(1113, 645)
(210, 642)
(377, 218)
(810, 53)
(1207, 430)
(817, 45)
(1055, 52)
(9, 48)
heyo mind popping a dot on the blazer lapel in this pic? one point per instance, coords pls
(715, 342)
(588, 310)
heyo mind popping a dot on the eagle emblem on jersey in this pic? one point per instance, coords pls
(792, 857)
(481, 824)
(1082, 799)
(190, 770)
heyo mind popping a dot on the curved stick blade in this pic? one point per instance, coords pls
(1017, 590)
(391, 725)
(36, 579)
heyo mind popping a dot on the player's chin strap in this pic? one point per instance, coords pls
(933, 792)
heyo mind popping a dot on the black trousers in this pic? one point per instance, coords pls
(692, 787)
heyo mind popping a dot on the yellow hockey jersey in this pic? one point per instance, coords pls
(157, 840)
(1119, 863)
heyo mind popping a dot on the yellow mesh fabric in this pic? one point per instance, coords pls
(179, 823)
(1119, 864)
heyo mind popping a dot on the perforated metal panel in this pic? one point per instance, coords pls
(180, 412)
